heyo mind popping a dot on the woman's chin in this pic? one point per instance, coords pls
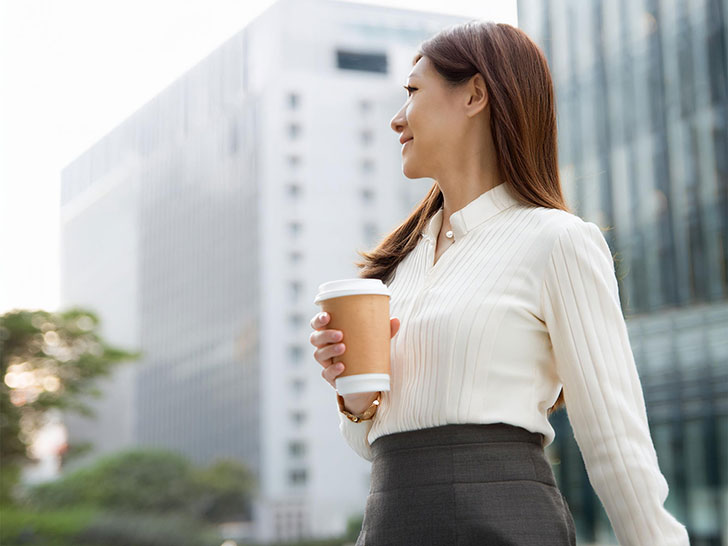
(409, 170)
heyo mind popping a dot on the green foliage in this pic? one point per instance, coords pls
(153, 481)
(91, 527)
(144, 530)
(314, 542)
(23, 526)
(9, 477)
(225, 491)
(142, 497)
(47, 360)
(353, 527)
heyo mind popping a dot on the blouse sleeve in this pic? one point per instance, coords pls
(356, 434)
(602, 390)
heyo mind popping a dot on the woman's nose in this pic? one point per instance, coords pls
(397, 123)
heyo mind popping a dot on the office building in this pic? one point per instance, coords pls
(200, 228)
(641, 92)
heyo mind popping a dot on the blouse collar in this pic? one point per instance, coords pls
(473, 214)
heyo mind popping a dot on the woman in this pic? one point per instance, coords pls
(510, 309)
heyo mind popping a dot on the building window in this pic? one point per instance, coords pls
(296, 448)
(293, 190)
(294, 160)
(295, 288)
(295, 320)
(293, 100)
(365, 105)
(366, 136)
(367, 196)
(295, 353)
(370, 233)
(367, 165)
(298, 417)
(295, 257)
(294, 228)
(294, 131)
(297, 476)
(365, 62)
(297, 386)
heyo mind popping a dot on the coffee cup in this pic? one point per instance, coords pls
(360, 309)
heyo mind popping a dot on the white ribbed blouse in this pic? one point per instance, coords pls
(523, 302)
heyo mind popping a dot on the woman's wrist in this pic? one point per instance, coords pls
(358, 403)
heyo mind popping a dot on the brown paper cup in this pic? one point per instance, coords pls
(360, 309)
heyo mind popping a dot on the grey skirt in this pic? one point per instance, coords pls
(485, 485)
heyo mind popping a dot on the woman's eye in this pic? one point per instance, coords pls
(409, 88)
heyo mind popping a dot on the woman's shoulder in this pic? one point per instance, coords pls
(550, 223)
(568, 232)
(547, 226)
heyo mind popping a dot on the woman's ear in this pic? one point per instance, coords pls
(477, 94)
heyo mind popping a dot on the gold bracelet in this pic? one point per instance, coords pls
(368, 414)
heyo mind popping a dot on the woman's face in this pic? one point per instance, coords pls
(430, 122)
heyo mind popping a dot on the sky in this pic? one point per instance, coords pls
(70, 72)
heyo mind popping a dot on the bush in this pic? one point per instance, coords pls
(152, 481)
(223, 492)
(137, 480)
(313, 542)
(57, 528)
(141, 530)
(86, 526)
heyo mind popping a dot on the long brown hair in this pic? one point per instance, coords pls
(523, 125)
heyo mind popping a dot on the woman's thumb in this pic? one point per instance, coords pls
(394, 324)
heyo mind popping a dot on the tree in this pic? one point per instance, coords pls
(353, 527)
(225, 491)
(152, 481)
(47, 360)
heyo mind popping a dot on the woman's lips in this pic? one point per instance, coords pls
(405, 142)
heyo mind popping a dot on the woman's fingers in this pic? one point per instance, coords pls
(326, 341)
(394, 324)
(319, 320)
(331, 372)
(326, 353)
(319, 338)
(329, 346)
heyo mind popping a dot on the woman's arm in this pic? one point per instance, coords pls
(602, 390)
(356, 434)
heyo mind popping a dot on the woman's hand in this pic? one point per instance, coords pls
(329, 348)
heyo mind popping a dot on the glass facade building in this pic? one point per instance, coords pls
(642, 93)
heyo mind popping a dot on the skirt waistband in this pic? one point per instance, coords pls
(459, 453)
(454, 434)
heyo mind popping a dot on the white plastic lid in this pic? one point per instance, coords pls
(350, 287)
(364, 382)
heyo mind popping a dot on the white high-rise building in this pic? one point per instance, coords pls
(200, 228)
